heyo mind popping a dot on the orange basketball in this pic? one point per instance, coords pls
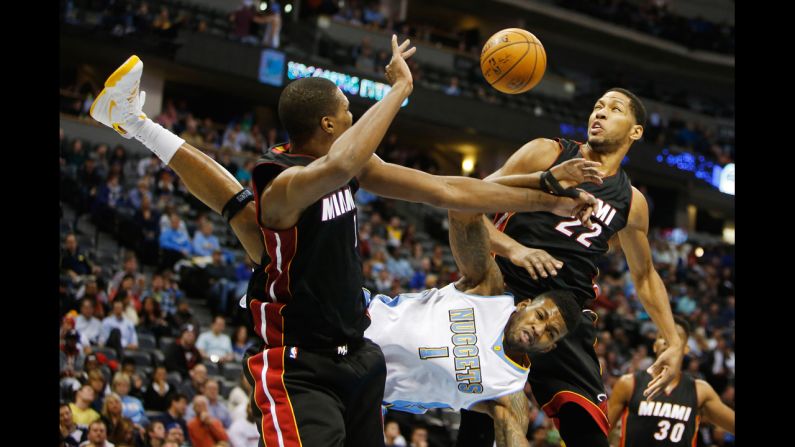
(513, 61)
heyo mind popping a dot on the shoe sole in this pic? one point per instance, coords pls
(114, 78)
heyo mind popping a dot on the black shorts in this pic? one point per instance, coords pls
(318, 397)
(571, 373)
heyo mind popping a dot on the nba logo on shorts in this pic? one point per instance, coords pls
(293, 352)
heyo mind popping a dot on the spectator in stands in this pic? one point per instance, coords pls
(184, 317)
(243, 432)
(139, 193)
(165, 298)
(241, 343)
(437, 260)
(74, 261)
(381, 60)
(175, 415)
(242, 19)
(239, 398)
(214, 345)
(216, 406)
(71, 355)
(365, 62)
(119, 428)
(273, 24)
(97, 435)
(71, 434)
(118, 331)
(130, 267)
(194, 386)
(453, 89)
(419, 437)
(384, 282)
(174, 243)
(417, 281)
(155, 434)
(392, 436)
(204, 241)
(152, 318)
(133, 408)
(149, 166)
(82, 413)
(158, 391)
(175, 437)
(147, 221)
(397, 265)
(182, 355)
(96, 379)
(205, 430)
(223, 282)
(86, 323)
(191, 134)
(244, 175)
(77, 155)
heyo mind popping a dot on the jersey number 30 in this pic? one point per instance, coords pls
(676, 433)
(563, 227)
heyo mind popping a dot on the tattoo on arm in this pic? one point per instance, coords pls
(469, 242)
(511, 421)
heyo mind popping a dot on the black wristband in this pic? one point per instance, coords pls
(551, 185)
(237, 203)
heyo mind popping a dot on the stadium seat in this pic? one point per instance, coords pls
(233, 370)
(212, 368)
(164, 343)
(146, 341)
(174, 378)
(140, 358)
(107, 352)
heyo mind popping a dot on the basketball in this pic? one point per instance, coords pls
(513, 61)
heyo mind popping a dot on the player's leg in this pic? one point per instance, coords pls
(290, 399)
(120, 105)
(579, 429)
(569, 378)
(364, 423)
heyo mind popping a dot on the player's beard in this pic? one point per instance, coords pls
(604, 145)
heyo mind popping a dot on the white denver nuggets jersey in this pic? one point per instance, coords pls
(443, 349)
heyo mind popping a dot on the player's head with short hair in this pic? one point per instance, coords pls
(617, 120)
(538, 324)
(312, 108)
(682, 328)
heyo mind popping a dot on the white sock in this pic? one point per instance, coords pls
(159, 140)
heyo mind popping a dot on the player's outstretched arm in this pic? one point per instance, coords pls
(569, 173)
(712, 409)
(511, 416)
(652, 294)
(469, 242)
(461, 193)
(619, 398)
(298, 187)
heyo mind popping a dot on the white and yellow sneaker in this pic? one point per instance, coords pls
(120, 103)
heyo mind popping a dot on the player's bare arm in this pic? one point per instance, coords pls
(651, 292)
(297, 187)
(712, 409)
(469, 242)
(459, 193)
(619, 398)
(511, 416)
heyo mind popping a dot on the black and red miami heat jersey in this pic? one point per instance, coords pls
(565, 238)
(307, 291)
(670, 420)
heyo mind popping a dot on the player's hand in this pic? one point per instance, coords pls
(397, 70)
(663, 371)
(577, 170)
(536, 261)
(582, 207)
